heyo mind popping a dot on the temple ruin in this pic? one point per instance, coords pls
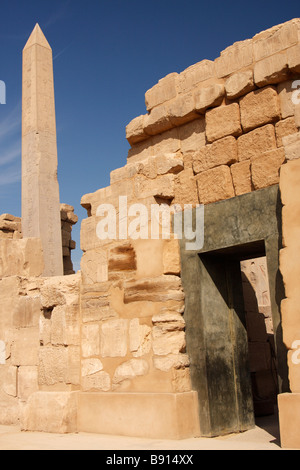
(157, 336)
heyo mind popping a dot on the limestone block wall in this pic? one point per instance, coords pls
(39, 340)
(212, 132)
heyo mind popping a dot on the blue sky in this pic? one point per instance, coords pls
(107, 54)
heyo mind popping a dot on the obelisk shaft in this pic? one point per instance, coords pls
(40, 190)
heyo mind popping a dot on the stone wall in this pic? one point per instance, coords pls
(212, 132)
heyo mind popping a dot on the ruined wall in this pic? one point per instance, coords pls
(212, 132)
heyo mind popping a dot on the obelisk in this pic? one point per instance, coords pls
(40, 190)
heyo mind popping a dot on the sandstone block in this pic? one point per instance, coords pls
(289, 181)
(158, 120)
(9, 381)
(223, 121)
(162, 187)
(259, 107)
(163, 91)
(291, 144)
(135, 130)
(275, 39)
(171, 258)
(159, 289)
(294, 370)
(239, 84)
(21, 257)
(169, 164)
(241, 177)
(293, 54)
(100, 381)
(140, 340)
(186, 189)
(172, 361)
(220, 152)
(122, 258)
(94, 267)
(256, 142)
(27, 382)
(166, 143)
(169, 321)
(26, 312)
(234, 58)
(24, 350)
(286, 92)
(265, 169)
(54, 412)
(194, 75)
(192, 135)
(182, 109)
(91, 366)
(53, 365)
(90, 340)
(290, 315)
(285, 128)
(114, 335)
(289, 420)
(215, 185)
(168, 342)
(208, 97)
(271, 70)
(129, 370)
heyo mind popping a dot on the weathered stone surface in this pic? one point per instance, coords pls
(162, 187)
(100, 381)
(94, 266)
(220, 152)
(130, 369)
(195, 74)
(265, 168)
(27, 381)
(140, 340)
(239, 84)
(215, 185)
(166, 363)
(24, 350)
(271, 70)
(192, 135)
(241, 177)
(223, 121)
(9, 384)
(135, 130)
(54, 412)
(122, 258)
(169, 164)
(285, 93)
(275, 39)
(53, 365)
(293, 54)
(171, 257)
(182, 109)
(159, 289)
(26, 312)
(169, 321)
(259, 107)
(256, 142)
(114, 338)
(168, 342)
(291, 145)
(91, 366)
(158, 120)
(209, 97)
(233, 58)
(285, 128)
(163, 91)
(21, 257)
(90, 340)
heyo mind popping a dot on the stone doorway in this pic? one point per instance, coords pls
(235, 231)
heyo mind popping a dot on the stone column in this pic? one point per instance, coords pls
(40, 190)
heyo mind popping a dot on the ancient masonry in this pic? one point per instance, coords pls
(111, 348)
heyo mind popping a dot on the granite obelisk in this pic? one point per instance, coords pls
(40, 190)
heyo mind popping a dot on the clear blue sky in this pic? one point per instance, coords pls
(107, 54)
